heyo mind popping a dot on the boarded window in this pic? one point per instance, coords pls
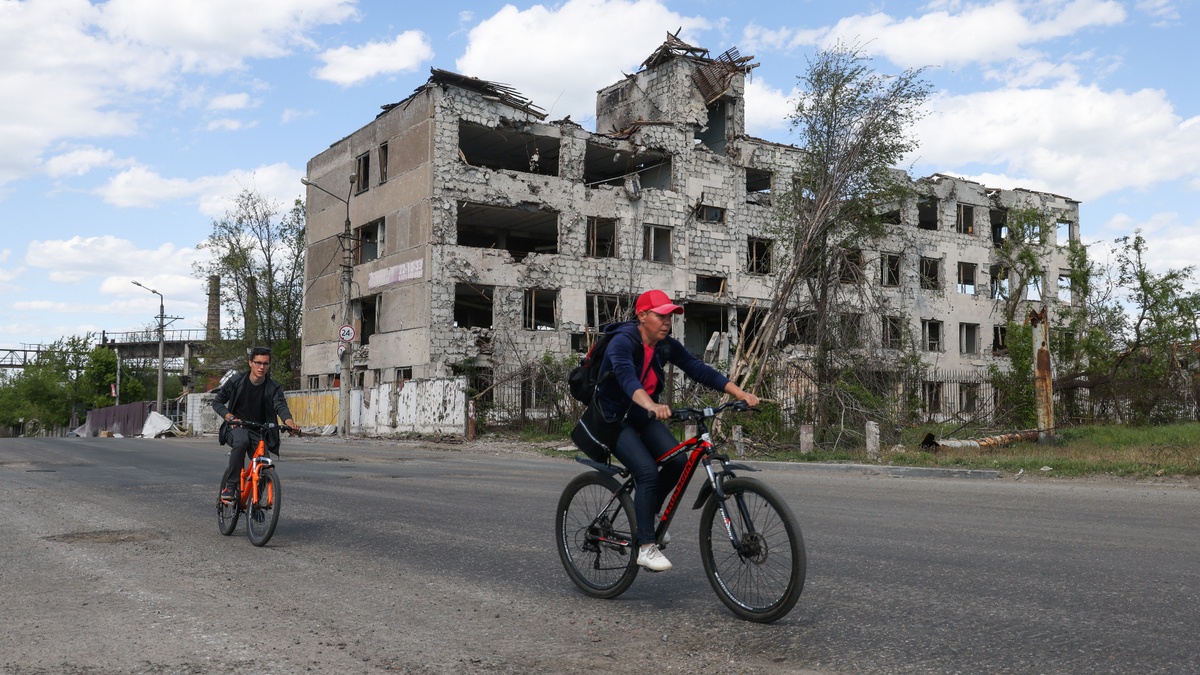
(473, 306)
(601, 237)
(521, 230)
(506, 148)
(966, 277)
(541, 310)
(656, 243)
(891, 269)
(931, 274)
(966, 219)
(758, 252)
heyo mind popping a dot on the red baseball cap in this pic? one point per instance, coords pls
(657, 302)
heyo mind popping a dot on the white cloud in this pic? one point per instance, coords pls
(7, 276)
(228, 124)
(351, 65)
(81, 160)
(1170, 243)
(592, 42)
(230, 102)
(139, 186)
(4, 255)
(76, 259)
(1165, 11)
(767, 108)
(289, 114)
(1070, 139)
(131, 307)
(986, 33)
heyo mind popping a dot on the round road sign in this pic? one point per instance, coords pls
(341, 350)
(346, 333)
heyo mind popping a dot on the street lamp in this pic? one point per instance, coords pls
(347, 357)
(161, 318)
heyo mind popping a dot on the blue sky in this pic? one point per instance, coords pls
(125, 126)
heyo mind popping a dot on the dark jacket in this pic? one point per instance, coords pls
(231, 392)
(623, 357)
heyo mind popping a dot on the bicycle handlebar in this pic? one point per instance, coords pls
(698, 413)
(264, 427)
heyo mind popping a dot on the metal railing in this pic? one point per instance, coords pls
(170, 335)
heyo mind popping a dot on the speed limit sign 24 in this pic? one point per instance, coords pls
(346, 333)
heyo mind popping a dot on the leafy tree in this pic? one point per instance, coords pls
(48, 389)
(1022, 256)
(257, 250)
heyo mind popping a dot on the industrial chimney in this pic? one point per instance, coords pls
(214, 309)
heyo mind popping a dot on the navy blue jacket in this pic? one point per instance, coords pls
(624, 356)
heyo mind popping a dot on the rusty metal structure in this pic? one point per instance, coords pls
(932, 444)
(1043, 376)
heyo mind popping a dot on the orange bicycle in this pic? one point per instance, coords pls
(258, 493)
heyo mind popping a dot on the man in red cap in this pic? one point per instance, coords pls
(636, 353)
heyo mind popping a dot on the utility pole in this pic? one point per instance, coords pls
(162, 318)
(1043, 380)
(345, 349)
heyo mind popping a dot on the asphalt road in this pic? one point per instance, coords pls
(428, 558)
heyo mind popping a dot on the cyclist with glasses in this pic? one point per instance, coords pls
(253, 397)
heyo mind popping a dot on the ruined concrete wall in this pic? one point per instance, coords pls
(417, 406)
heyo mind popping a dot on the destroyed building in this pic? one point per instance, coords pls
(484, 234)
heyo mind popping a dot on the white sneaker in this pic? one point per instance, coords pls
(652, 559)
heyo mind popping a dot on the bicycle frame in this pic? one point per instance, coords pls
(248, 480)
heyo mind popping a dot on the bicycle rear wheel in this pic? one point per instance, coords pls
(227, 514)
(263, 513)
(760, 578)
(596, 533)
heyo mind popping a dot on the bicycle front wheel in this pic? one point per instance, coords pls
(596, 534)
(263, 514)
(227, 513)
(758, 572)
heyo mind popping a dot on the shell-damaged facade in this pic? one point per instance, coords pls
(484, 233)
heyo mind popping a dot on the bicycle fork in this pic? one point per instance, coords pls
(723, 504)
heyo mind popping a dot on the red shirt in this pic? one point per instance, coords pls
(649, 378)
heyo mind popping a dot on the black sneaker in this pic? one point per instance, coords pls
(229, 494)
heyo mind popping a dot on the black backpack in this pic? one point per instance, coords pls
(585, 377)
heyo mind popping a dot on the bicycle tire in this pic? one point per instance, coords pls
(760, 580)
(263, 513)
(588, 525)
(227, 514)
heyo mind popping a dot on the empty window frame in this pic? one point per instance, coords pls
(520, 230)
(362, 169)
(890, 217)
(656, 243)
(507, 149)
(890, 262)
(1033, 289)
(541, 310)
(383, 162)
(404, 374)
(999, 338)
(314, 381)
(999, 220)
(713, 136)
(999, 282)
(758, 181)
(368, 242)
(705, 284)
(605, 309)
(758, 255)
(931, 335)
(601, 237)
(473, 306)
(931, 274)
(893, 332)
(368, 309)
(851, 266)
(1064, 287)
(965, 223)
(710, 214)
(966, 277)
(1062, 232)
(932, 397)
(802, 329)
(603, 165)
(968, 397)
(700, 321)
(968, 338)
(927, 214)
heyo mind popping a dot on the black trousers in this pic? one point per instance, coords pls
(242, 442)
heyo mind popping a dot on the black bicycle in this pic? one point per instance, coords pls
(750, 544)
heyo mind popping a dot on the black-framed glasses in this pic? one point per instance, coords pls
(264, 364)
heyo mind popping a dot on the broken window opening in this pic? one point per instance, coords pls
(605, 309)
(931, 335)
(999, 338)
(802, 329)
(383, 162)
(968, 397)
(610, 166)
(700, 321)
(999, 221)
(1062, 233)
(758, 260)
(601, 237)
(758, 181)
(710, 284)
(966, 278)
(932, 397)
(473, 306)
(713, 135)
(1033, 290)
(507, 149)
(368, 317)
(1064, 287)
(851, 327)
(520, 230)
(966, 219)
(890, 217)
(927, 214)
(362, 169)
(850, 271)
(404, 374)
(580, 343)
(710, 214)
(968, 338)
(931, 274)
(656, 244)
(999, 283)
(541, 309)
(368, 242)
(893, 332)
(891, 269)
